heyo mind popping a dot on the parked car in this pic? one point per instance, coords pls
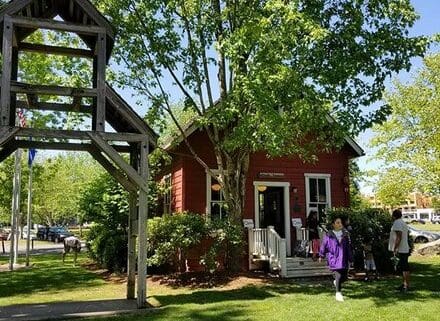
(42, 232)
(25, 233)
(435, 219)
(57, 234)
(420, 236)
(4, 233)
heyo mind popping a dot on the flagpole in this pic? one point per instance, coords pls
(29, 211)
(13, 250)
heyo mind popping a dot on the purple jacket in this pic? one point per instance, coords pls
(338, 254)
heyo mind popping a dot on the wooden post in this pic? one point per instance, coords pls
(5, 99)
(142, 231)
(15, 210)
(100, 82)
(132, 224)
(283, 258)
(131, 262)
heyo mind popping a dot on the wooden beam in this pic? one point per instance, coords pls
(5, 98)
(77, 135)
(97, 17)
(142, 229)
(7, 150)
(28, 11)
(36, 8)
(121, 106)
(7, 133)
(13, 6)
(86, 109)
(100, 82)
(32, 23)
(129, 186)
(71, 6)
(118, 160)
(82, 147)
(22, 88)
(63, 51)
(85, 18)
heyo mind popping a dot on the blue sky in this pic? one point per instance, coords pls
(428, 24)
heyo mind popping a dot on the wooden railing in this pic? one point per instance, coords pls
(268, 245)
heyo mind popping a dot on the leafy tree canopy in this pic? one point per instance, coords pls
(409, 141)
(277, 69)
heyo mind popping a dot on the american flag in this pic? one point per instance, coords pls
(22, 123)
(21, 118)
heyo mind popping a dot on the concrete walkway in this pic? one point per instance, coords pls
(70, 310)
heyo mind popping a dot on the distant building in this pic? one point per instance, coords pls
(418, 206)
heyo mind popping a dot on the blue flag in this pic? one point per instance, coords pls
(32, 153)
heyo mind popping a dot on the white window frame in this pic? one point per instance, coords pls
(327, 178)
(209, 193)
(169, 186)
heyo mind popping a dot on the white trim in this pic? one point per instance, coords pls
(286, 186)
(327, 178)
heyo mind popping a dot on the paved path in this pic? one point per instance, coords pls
(40, 247)
(70, 310)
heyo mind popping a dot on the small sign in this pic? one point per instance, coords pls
(248, 223)
(270, 175)
(296, 222)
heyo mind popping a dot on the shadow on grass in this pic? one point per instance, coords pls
(425, 284)
(46, 274)
(250, 292)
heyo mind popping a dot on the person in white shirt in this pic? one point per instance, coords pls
(398, 244)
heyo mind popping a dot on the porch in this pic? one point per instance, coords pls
(266, 247)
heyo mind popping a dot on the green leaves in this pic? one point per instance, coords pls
(409, 141)
(264, 75)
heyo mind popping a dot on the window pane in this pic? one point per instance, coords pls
(224, 211)
(322, 190)
(215, 211)
(215, 195)
(312, 190)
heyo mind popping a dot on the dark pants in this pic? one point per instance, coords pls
(340, 277)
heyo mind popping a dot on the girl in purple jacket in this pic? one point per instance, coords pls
(336, 247)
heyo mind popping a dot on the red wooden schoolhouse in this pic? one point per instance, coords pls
(280, 192)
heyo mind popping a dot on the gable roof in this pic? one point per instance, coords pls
(192, 127)
(72, 11)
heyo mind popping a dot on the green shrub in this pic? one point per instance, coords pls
(368, 225)
(227, 244)
(171, 236)
(108, 247)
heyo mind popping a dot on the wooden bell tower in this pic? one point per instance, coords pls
(133, 136)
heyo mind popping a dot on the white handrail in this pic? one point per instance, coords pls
(268, 244)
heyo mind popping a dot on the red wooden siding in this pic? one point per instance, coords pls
(191, 194)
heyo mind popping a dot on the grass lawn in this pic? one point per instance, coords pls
(255, 299)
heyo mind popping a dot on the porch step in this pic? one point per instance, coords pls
(305, 267)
